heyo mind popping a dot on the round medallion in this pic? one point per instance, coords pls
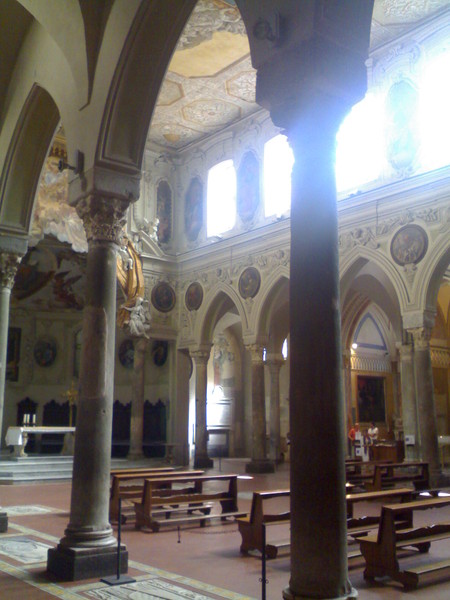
(45, 352)
(159, 352)
(249, 282)
(163, 297)
(194, 296)
(409, 245)
(126, 354)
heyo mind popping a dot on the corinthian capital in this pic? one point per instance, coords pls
(200, 356)
(421, 336)
(103, 217)
(9, 263)
(256, 353)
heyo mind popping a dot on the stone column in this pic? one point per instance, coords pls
(137, 399)
(201, 459)
(180, 411)
(9, 263)
(274, 364)
(409, 405)
(88, 548)
(259, 462)
(426, 410)
(347, 385)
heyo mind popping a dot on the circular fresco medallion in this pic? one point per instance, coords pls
(45, 352)
(126, 354)
(409, 245)
(249, 282)
(194, 296)
(159, 352)
(163, 297)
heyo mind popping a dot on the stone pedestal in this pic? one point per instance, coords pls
(73, 564)
(3, 522)
(201, 458)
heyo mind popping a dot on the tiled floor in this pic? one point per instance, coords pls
(191, 564)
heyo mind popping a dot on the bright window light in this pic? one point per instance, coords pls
(284, 349)
(221, 202)
(360, 145)
(278, 162)
(433, 118)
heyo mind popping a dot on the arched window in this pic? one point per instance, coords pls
(221, 198)
(278, 162)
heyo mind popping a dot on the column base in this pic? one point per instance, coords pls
(73, 564)
(288, 594)
(135, 455)
(3, 522)
(203, 462)
(263, 465)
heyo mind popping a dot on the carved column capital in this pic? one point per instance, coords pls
(405, 351)
(9, 263)
(256, 353)
(275, 363)
(421, 337)
(200, 356)
(103, 217)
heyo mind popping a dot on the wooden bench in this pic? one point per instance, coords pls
(380, 550)
(160, 500)
(359, 472)
(128, 486)
(388, 475)
(250, 526)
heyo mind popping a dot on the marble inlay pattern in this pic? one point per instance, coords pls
(24, 550)
(27, 509)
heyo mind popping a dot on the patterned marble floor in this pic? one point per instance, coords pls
(23, 554)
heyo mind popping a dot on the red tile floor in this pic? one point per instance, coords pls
(206, 558)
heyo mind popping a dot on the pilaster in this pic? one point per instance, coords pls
(409, 404)
(200, 357)
(137, 399)
(274, 365)
(259, 463)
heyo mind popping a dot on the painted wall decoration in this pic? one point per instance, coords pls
(371, 401)
(403, 134)
(13, 354)
(164, 212)
(193, 209)
(194, 296)
(409, 245)
(247, 200)
(163, 297)
(126, 354)
(249, 282)
(160, 351)
(45, 352)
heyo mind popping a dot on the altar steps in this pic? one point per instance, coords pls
(27, 469)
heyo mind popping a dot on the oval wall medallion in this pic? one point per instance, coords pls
(409, 245)
(45, 352)
(163, 297)
(126, 354)
(194, 296)
(249, 282)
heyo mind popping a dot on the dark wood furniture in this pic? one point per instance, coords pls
(390, 474)
(162, 498)
(380, 551)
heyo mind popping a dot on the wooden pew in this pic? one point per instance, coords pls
(160, 500)
(128, 486)
(387, 475)
(380, 550)
(359, 472)
(250, 527)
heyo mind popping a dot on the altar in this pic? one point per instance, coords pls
(18, 436)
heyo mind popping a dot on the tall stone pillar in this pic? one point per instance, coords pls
(180, 412)
(9, 263)
(88, 548)
(426, 410)
(274, 364)
(409, 405)
(201, 459)
(347, 385)
(137, 399)
(259, 462)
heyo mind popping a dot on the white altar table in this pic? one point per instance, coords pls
(18, 436)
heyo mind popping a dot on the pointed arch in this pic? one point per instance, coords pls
(26, 154)
(222, 299)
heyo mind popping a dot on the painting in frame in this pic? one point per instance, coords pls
(371, 399)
